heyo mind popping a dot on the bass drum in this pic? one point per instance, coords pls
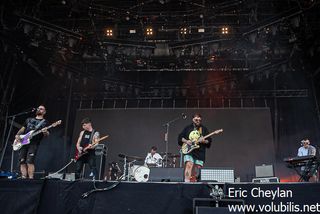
(141, 173)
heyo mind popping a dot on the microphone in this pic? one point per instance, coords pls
(34, 109)
(184, 116)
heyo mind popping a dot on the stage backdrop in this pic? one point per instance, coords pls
(246, 141)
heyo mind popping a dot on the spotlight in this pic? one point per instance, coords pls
(108, 32)
(149, 31)
(132, 31)
(201, 30)
(224, 30)
(183, 31)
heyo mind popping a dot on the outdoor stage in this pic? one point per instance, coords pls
(57, 196)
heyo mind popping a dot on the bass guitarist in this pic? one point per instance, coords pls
(87, 137)
(195, 159)
(27, 153)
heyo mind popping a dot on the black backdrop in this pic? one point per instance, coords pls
(246, 141)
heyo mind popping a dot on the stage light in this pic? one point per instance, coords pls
(183, 31)
(225, 30)
(149, 31)
(201, 30)
(108, 32)
(132, 31)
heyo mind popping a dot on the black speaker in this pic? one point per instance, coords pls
(166, 174)
(215, 210)
(210, 205)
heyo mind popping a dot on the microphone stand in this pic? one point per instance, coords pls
(13, 117)
(166, 135)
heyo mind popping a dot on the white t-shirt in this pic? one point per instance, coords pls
(155, 159)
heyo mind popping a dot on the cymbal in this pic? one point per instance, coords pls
(130, 157)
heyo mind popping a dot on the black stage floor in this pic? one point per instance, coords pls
(58, 196)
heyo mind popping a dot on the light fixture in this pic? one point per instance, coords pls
(183, 31)
(224, 30)
(149, 31)
(201, 30)
(108, 32)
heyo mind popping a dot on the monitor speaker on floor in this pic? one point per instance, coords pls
(166, 174)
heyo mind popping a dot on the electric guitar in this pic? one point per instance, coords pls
(25, 139)
(85, 149)
(186, 149)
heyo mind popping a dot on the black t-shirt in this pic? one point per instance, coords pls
(31, 124)
(85, 140)
(198, 154)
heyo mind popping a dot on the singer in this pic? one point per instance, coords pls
(196, 158)
(27, 154)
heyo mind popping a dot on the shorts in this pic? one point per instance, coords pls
(27, 154)
(191, 159)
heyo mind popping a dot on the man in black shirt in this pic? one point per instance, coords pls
(28, 152)
(196, 158)
(87, 137)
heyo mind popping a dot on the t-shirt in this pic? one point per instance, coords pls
(85, 140)
(155, 159)
(198, 154)
(32, 124)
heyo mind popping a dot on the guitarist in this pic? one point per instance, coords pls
(196, 158)
(27, 153)
(87, 136)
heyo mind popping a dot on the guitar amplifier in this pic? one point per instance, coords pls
(266, 180)
(101, 153)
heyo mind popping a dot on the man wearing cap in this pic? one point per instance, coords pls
(310, 170)
(87, 136)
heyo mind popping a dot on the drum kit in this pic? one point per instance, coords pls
(135, 170)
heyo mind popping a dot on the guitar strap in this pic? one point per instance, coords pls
(91, 136)
(39, 124)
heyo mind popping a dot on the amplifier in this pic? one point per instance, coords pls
(266, 180)
(264, 171)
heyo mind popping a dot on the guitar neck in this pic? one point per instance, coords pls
(212, 133)
(39, 131)
(99, 140)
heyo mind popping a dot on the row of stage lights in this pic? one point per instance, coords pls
(108, 32)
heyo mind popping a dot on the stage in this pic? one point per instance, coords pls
(58, 196)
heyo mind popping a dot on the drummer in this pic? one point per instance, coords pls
(153, 158)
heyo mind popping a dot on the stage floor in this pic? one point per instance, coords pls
(59, 196)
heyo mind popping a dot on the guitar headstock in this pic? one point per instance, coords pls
(56, 123)
(218, 131)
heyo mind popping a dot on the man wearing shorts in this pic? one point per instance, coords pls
(195, 159)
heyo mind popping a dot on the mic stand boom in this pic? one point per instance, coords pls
(166, 136)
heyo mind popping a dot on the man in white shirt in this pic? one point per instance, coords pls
(310, 171)
(153, 158)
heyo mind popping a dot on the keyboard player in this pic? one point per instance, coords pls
(310, 170)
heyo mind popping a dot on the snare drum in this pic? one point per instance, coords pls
(140, 173)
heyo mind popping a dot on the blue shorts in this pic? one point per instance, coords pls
(187, 158)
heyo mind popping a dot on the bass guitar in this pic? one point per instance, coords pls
(186, 148)
(85, 149)
(25, 139)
